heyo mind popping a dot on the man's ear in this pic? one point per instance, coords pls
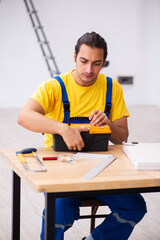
(104, 61)
(74, 56)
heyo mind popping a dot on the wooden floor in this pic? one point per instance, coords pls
(144, 125)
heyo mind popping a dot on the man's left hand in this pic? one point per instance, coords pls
(98, 118)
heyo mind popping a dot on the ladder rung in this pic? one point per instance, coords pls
(32, 12)
(37, 27)
(43, 42)
(48, 57)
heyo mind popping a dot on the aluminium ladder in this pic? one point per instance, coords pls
(41, 37)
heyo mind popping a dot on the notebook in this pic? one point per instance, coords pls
(144, 156)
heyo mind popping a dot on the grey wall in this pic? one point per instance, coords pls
(131, 28)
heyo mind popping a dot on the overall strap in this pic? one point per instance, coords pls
(66, 104)
(108, 96)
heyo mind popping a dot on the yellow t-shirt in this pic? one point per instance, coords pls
(83, 100)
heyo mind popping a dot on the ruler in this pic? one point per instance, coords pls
(106, 160)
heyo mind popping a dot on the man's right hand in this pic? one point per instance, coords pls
(72, 137)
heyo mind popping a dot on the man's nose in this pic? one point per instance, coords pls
(89, 68)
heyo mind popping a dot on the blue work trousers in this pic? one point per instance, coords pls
(126, 211)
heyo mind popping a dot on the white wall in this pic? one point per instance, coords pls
(131, 28)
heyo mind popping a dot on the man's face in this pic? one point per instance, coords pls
(89, 62)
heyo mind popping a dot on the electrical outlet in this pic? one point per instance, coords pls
(125, 80)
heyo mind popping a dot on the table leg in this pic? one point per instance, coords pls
(16, 207)
(49, 216)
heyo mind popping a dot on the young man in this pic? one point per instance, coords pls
(86, 88)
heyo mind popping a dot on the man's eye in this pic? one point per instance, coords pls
(83, 61)
(97, 64)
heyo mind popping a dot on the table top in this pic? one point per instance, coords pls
(67, 177)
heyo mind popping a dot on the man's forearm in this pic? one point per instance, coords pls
(37, 122)
(118, 133)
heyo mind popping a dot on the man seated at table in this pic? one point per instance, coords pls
(86, 89)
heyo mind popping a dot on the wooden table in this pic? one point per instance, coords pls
(65, 180)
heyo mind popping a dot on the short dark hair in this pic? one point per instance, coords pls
(93, 40)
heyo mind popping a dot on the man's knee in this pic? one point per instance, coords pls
(67, 208)
(132, 207)
(140, 209)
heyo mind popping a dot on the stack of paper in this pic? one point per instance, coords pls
(144, 156)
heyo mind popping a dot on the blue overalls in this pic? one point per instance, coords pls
(126, 209)
(66, 104)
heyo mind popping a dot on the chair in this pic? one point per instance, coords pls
(94, 204)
